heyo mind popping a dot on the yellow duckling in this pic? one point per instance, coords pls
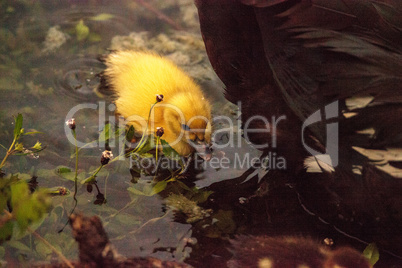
(137, 78)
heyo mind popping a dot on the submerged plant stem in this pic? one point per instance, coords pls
(76, 166)
(93, 176)
(75, 180)
(157, 149)
(8, 153)
(144, 134)
(58, 253)
(146, 129)
(106, 222)
(97, 171)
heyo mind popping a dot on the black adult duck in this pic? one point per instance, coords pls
(327, 75)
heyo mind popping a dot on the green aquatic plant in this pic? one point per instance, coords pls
(20, 203)
(23, 206)
(371, 253)
(105, 158)
(16, 147)
(81, 30)
(19, 207)
(146, 144)
(22, 210)
(188, 207)
(102, 17)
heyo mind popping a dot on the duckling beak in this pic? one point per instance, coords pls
(203, 149)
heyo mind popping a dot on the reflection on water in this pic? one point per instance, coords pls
(79, 78)
(49, 64)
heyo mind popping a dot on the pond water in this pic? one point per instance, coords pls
(49, 67)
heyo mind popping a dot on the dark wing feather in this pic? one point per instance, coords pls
(233, 42)
(320, 51)
(324, 34)
(293, 57)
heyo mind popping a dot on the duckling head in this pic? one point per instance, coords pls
(187, 123)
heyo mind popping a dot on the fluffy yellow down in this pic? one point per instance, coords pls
(137, 77)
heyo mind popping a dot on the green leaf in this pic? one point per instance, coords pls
(23, 176)
(105, 134)
(148, 189)
(45, 173)
(371, 253)
(27, 207)
(130, 133)
(71, 176)
(43, 250)
(90, 179)
(37, 146)
(18, 245)
(182, 185)
(11, 178)
(19, 147)
(159, 187)
(62, 169)
(201, 196)
(58, 191)
(147, 146)
(32, 227)
(102, 17)
(6, 230)
(146, 155)
(169, 151)
(33, 132)
(18, 126)
(81, 30)
(127, 219)
(19, 192)
(135, 191)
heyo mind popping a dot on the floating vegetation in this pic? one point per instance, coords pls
(188, 207)
(55, 38)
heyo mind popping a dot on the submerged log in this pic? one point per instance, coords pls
(95, 249)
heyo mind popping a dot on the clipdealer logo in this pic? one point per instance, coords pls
(233, 133)
(331, 156)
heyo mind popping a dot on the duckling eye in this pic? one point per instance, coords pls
(185, 127)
